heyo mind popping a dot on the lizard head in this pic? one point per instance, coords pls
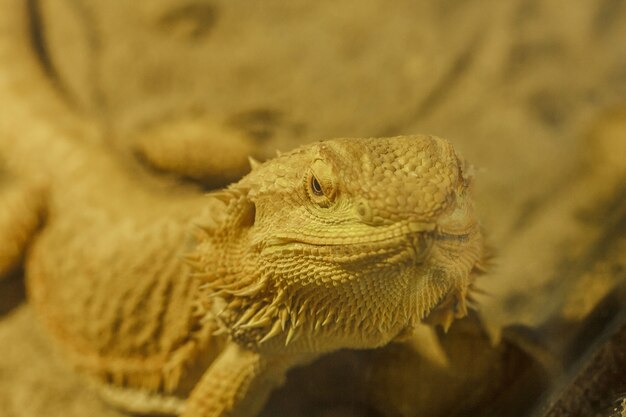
(342, 243)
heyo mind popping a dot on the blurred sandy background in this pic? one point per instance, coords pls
(520, 87)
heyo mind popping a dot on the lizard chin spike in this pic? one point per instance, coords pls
(275, 330)
(292, 335)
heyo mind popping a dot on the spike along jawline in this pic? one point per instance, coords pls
(254, 164)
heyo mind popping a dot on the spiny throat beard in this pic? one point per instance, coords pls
(355, 301)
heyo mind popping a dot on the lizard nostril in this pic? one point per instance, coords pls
(363, 210)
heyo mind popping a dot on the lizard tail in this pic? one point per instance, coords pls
(37, 131)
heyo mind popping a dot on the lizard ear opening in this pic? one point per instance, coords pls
(247, 216)
(240, 210)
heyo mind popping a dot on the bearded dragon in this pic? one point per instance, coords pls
(347, 243)
(173, 301)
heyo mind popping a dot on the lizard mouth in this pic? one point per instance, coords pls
(416, 235)
(367, 236)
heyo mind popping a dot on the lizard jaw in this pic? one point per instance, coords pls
(414, 241)
(369, 236)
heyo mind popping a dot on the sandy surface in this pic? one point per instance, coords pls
(515, 85)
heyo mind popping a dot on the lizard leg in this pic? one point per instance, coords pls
(237, 384)
(138, 401)
(197, 148)
(21, 211)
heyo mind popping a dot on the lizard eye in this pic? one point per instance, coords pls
(319, 185)
(316, 187)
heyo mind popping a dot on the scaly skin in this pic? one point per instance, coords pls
(286, 273)
(349, 243)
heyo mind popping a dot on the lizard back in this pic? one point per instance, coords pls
(108, 277)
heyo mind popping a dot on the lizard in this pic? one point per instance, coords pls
(174, 301)
(345, 243)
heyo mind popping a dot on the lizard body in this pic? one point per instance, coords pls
(348, 243)
(290, 262)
